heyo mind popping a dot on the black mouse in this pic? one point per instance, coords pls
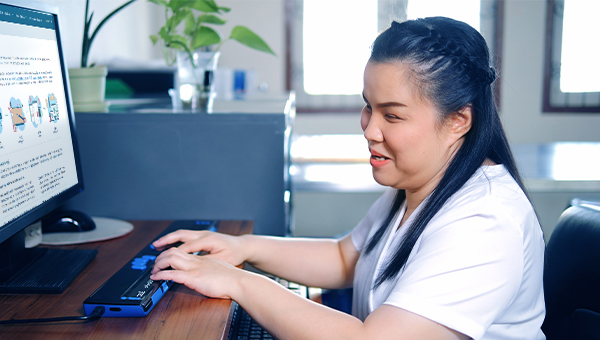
(67, 221)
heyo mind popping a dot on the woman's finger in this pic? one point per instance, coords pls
(173, 258)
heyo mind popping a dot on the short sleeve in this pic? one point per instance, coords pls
(466, 270)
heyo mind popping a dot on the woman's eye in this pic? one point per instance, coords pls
(392, 117)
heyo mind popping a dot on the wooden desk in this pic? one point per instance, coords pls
(182, 313)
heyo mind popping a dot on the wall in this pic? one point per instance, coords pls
(139, 20)
(521, 102)
(126, 36)
(522, 69)
(522, 82)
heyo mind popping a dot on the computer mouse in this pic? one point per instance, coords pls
(67, 221)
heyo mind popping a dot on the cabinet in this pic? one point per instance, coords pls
(145, 162)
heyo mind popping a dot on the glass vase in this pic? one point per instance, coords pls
(194, 80)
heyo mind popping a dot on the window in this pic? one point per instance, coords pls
(336, 47)
(329, 42)
(571, 67)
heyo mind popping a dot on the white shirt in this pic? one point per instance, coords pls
(477, 267)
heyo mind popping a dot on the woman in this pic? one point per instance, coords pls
(452, 251)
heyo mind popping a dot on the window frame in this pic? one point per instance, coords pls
(553, 44)
(293, 9)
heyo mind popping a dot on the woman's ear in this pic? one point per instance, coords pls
(461, 121)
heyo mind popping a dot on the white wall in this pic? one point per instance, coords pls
(521, 101)
(522, 82)
(267, 19)
(126, 35)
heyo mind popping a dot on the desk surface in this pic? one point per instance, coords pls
(180, 314)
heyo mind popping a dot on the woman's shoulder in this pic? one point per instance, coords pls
(490, 183)
(491, 194)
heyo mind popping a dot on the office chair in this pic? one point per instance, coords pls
(572, 275)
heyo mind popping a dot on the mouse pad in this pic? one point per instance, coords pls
(106, 229)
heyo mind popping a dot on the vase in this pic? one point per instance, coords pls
(194, 81)
(88, 86)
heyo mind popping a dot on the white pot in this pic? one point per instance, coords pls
(87, 85)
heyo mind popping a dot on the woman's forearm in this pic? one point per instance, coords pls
(289, 316)
(323, 263)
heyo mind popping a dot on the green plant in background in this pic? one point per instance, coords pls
(87, 39)
(195, 16)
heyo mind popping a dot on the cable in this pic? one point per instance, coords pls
(96, 314)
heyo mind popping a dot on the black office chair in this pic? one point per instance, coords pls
(572, 275)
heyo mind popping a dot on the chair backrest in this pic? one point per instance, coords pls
(572, 274)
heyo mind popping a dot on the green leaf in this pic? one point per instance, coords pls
(176, 41)
(190, 24)
(208, 6)
(247, 37)
(224, 9)
(177, 4)
(206, 36)
(159, 2)
(155, 38)
(176, 19)
(211, 19)
(164, 34)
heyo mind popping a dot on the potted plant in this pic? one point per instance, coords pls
(189, 39)
(88, 82)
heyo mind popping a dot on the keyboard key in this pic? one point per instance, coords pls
(243, 327)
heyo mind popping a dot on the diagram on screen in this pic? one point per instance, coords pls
(52, 106)
(16, 110)
(35, 110)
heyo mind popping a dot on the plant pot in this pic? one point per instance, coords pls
(194, 82)
(87, 88)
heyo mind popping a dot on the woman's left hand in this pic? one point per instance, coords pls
(207, 276)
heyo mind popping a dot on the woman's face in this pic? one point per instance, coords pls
(410, 148)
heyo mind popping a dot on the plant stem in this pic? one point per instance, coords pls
(87, 39)
(86, 26)
(215, 52)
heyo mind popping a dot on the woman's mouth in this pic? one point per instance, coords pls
(378, 160)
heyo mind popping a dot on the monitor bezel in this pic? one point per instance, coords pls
(15, 226)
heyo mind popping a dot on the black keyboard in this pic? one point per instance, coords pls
(52, 272)
(243, 327)
(130, 292)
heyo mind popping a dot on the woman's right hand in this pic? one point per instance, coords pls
(219, 246)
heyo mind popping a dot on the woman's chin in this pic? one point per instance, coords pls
(382, 180)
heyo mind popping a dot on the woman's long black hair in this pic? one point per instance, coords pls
(450, 64)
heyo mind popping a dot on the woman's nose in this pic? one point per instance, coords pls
(371, 129)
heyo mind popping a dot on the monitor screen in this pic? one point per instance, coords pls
(39, 161)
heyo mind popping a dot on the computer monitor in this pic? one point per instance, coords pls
(39, 159)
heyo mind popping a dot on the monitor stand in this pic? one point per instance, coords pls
(106, 229)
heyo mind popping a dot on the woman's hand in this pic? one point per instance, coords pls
(207, 276)
(221, 247)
